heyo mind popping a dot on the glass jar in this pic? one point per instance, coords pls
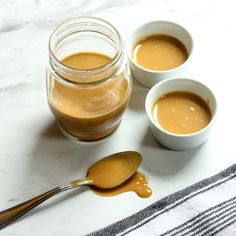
(87, 103)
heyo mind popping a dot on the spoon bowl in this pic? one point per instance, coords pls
(114, 170)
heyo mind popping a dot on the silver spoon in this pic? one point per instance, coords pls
(108, 172)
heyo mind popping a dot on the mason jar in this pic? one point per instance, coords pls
(87, 103)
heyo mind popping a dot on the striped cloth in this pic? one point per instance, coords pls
(205, 208)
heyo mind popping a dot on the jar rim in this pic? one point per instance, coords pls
(96, 70)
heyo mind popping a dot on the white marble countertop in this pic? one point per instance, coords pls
(35, 157)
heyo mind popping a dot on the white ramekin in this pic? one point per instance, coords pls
(151, 77)
(180, 141)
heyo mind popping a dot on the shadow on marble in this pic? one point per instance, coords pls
(149, 140)
(52, 131)
(138, 95)
(54, 201)
(161, 161)
(55, 160)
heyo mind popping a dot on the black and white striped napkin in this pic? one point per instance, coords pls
(205, 208)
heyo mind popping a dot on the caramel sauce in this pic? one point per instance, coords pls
(117, 174)
(114, 170)
(182, 112)
(159, 52)
(89, 112)
(138, 183)
(86, 60)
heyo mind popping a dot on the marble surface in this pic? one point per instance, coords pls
(35, 157)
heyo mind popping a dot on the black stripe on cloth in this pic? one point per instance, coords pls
(200, 217)
(172, 206)
(137, 218)
(222, 227)
(212, 223)
(219, 222)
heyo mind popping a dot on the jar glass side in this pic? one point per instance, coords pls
(88, 104)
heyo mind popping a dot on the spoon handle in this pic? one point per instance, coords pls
(9, 215)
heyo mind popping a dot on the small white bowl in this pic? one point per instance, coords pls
(151, 77)
(180, 141)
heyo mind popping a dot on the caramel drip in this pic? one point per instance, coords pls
(138, 183)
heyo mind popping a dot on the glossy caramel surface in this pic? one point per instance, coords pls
(159, 52)
(138, 183)
(182, 112)
(114, 169)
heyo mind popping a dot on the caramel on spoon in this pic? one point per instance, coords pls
(108, 172)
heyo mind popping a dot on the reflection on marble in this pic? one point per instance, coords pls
(35, 157)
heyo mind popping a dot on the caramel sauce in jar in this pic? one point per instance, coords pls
(88, 82)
